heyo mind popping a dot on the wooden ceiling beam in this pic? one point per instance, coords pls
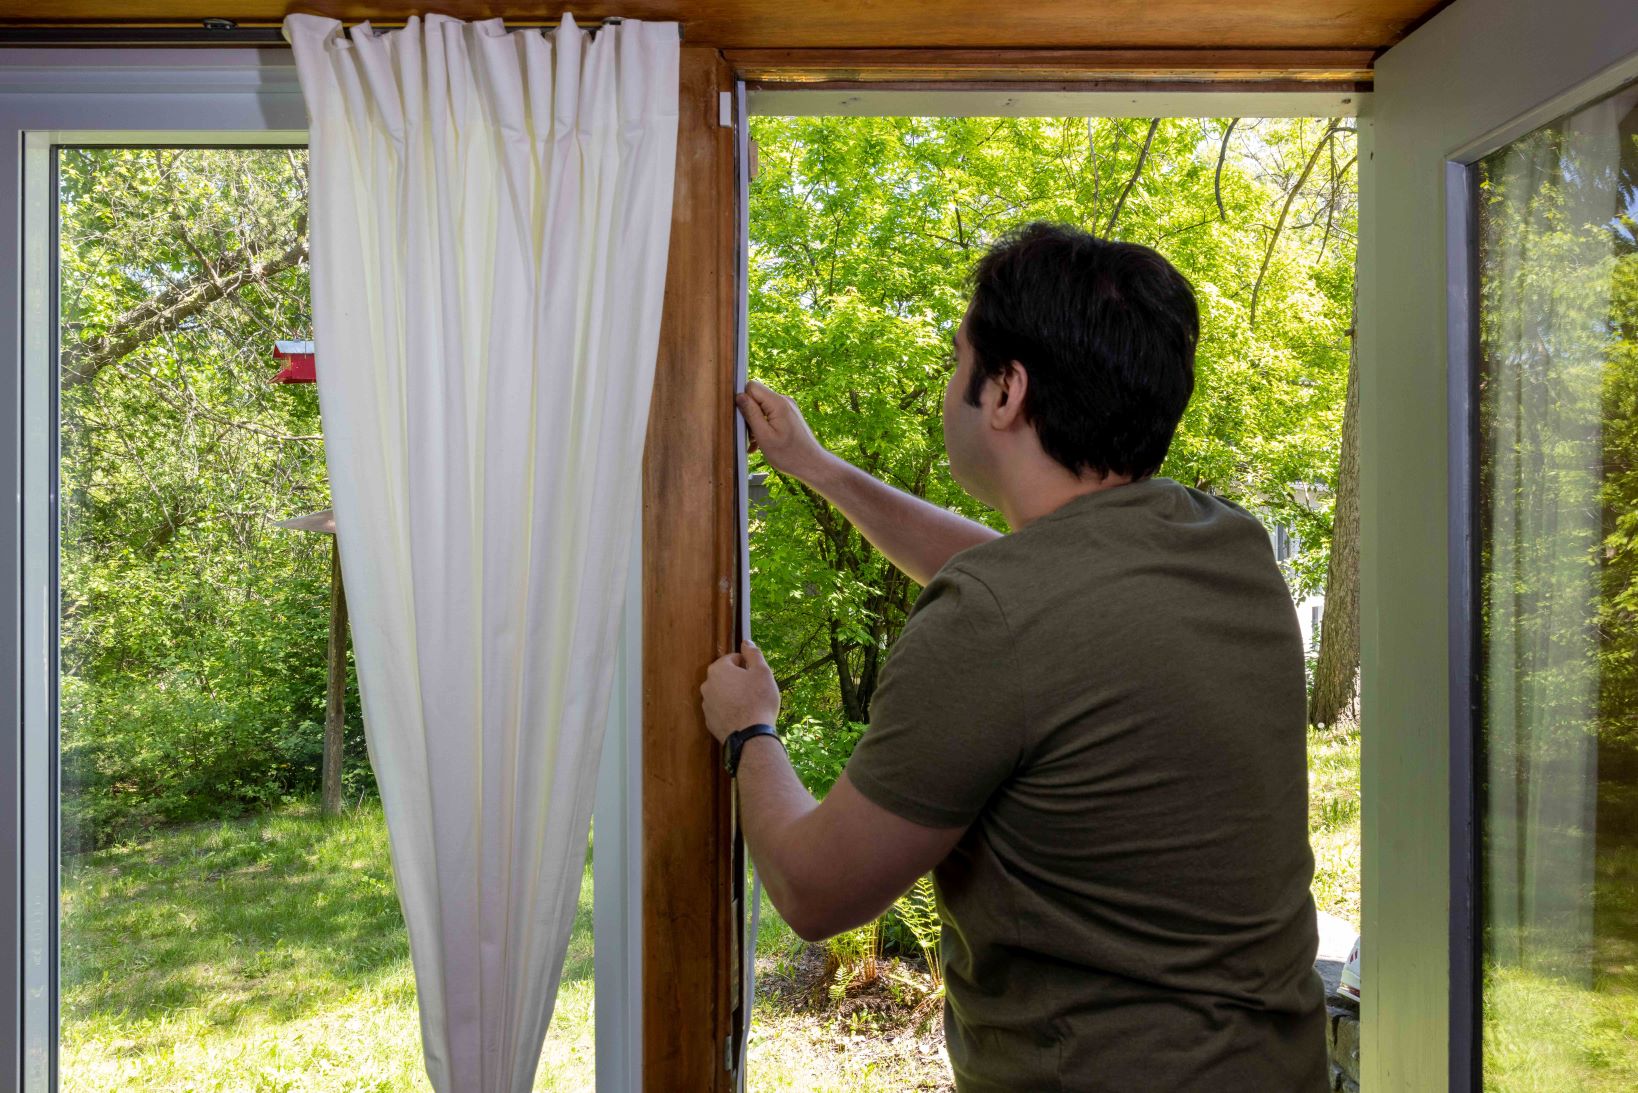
(1330, 68)
(1369, 26)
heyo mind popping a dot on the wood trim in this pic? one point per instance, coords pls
(1034, 66)
(1136, 87)
(689, 581)
(921, 24)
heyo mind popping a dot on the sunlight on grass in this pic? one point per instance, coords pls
(1333, 819)
(1545, 1035)
(263, 955)
(268, 955)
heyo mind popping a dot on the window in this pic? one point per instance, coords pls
(215, 982)
(1557, 668)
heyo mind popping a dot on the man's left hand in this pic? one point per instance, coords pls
(739, 691)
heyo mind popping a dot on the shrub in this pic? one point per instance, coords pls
(138, 756)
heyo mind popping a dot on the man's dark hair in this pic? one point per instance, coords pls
(1106, 332)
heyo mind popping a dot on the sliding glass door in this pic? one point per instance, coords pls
(1556, 396)
(1497, 386)
(183, 909)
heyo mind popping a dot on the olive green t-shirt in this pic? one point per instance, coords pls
(1112, 698)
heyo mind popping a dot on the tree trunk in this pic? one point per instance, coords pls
(335, 691)
(1336, 674)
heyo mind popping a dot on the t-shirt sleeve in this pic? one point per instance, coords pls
(946, 722)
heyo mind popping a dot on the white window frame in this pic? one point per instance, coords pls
(50, 97)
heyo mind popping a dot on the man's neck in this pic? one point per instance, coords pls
(1042, 490)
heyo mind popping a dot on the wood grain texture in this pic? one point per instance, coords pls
(1019, 67)
(690, 554)
(773, 24)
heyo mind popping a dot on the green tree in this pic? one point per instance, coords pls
(193, 630)
(863, 232)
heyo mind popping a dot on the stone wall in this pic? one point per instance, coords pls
(1342, 1043)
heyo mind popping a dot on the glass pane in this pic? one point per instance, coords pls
(1558, 539)
(218, 929)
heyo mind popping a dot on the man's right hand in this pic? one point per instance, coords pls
(780, 433)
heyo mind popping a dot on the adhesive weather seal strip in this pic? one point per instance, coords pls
(742, 180)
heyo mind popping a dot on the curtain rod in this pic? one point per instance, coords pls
(210, 32)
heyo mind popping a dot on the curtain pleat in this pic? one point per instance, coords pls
(490, 217)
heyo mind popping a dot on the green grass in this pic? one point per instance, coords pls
(1333, 819)
(269, 954)
(1545, 1035)
(265, 954)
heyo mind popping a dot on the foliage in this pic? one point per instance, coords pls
(818, 751)
(193, 629)
(918, 910)
(862, 233)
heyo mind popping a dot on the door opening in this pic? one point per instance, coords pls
(862, 230)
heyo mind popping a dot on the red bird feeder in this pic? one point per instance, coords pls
(299, 367)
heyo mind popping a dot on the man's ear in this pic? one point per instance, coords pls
(1011, 384)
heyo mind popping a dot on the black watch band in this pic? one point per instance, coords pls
(735, 743)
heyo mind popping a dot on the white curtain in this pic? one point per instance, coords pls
(490, 218)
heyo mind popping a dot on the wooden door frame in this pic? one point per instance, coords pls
(689, 587)
(690, 488)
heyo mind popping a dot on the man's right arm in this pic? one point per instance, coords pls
(915, 535)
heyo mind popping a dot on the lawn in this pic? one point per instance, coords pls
(268, 955)
(1543, 1034)
(263, 955)
(1333, 819)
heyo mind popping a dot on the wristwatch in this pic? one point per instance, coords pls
(735, 742)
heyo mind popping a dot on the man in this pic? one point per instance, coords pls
(1091, 729)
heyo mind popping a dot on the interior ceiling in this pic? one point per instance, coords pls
(815, 24)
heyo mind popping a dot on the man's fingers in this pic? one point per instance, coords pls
(764, 397)
(753, 656)
(756, 418)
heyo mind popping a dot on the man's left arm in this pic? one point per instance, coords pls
(828, 866)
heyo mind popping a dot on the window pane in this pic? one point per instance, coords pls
(218, 929)
(1558, 540)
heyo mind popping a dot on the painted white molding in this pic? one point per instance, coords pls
(148, 72)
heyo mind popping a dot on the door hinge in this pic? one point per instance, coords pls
(725, 109)
(728, 1053)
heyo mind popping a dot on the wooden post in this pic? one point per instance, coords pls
(335, 690)
(689, 557)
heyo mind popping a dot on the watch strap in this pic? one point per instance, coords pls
(736, 741)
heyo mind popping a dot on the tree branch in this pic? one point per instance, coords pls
(1285, 211)
(784, 682)
(1217, 178)
(1143, 154)
(169, 310)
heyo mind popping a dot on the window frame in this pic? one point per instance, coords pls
(226, 97)
(47, 96)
